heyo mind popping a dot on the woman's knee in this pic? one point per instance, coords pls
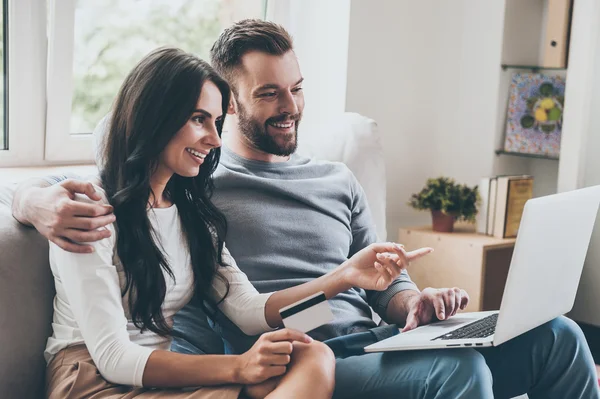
(316, 353)
(318, 360)
(260, 391)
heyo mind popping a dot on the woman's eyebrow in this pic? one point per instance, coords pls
(205, 113)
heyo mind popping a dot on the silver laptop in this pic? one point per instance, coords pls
(542, 281)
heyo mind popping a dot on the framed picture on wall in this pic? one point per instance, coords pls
(535, 114)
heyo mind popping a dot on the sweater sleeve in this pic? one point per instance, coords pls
(243, 305)
(91, 286)
(364, 234)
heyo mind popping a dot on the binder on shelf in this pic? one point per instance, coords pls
(512, 192)
(491, 212)
(503, 199)
(556, 41)
(481, 220)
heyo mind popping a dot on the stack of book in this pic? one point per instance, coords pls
(503, 199)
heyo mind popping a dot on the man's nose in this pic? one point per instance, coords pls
(287, 104)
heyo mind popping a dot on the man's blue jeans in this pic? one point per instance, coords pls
(551, 361)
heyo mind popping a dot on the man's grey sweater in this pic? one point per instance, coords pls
(294, 221)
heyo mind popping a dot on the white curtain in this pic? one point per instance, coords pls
(279, 11)
(321, 36)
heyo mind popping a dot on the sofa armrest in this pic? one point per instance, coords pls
(26, 294)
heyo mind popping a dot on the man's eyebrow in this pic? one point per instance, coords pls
(275, 86)
(268, 86)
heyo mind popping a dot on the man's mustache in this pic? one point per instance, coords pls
(284, 118)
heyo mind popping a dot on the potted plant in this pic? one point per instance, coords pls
(448, 202)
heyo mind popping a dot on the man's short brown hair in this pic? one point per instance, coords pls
(245, 36)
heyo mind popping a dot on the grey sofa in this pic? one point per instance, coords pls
(26, 294)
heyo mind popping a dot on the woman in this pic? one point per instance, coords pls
(113, 307)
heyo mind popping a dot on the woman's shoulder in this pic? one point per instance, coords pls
(97, 187)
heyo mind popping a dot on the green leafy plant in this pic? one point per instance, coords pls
(444, 194)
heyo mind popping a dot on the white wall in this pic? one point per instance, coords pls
(389, 65)
(428, 73)
(320, 31)
(467, 81)
(580, 165)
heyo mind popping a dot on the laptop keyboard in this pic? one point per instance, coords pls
(478, 329)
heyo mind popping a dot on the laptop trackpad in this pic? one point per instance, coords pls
(441, 327)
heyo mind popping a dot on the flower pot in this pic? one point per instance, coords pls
(442, 222)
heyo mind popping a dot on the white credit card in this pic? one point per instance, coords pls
(307, 314)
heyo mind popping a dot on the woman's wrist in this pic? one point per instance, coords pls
(227, 369)
(339, 279)
(236, 369)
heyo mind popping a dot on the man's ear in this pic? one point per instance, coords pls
(232, 108)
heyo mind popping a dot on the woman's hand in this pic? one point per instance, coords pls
(376, 266)
(269, 356)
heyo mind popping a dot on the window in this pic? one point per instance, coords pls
(97, 42)
(23, 82)
(3, 76)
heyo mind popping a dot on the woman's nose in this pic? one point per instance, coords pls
(212, 137)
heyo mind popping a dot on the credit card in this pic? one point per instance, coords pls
(307, 314)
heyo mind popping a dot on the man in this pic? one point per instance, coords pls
(292, 219)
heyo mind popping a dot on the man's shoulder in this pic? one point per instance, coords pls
(220, 171)
(324, 163)
(325, 168)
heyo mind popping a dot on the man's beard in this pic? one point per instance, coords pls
(260, 138)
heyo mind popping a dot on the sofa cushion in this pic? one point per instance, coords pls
(6, 195)
(26, 294)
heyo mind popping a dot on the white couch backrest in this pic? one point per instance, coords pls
(354, 140)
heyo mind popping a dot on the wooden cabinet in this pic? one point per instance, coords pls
(474, 262)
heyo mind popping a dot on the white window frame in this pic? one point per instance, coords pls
(61, 144)
(26, 83)
(40, 86)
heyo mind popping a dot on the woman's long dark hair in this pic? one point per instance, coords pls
(155, 101)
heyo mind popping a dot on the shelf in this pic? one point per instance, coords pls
(462, 231)
(521, 154)
(534, 68)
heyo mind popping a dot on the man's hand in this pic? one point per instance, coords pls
(54, 212)
(433, 305)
